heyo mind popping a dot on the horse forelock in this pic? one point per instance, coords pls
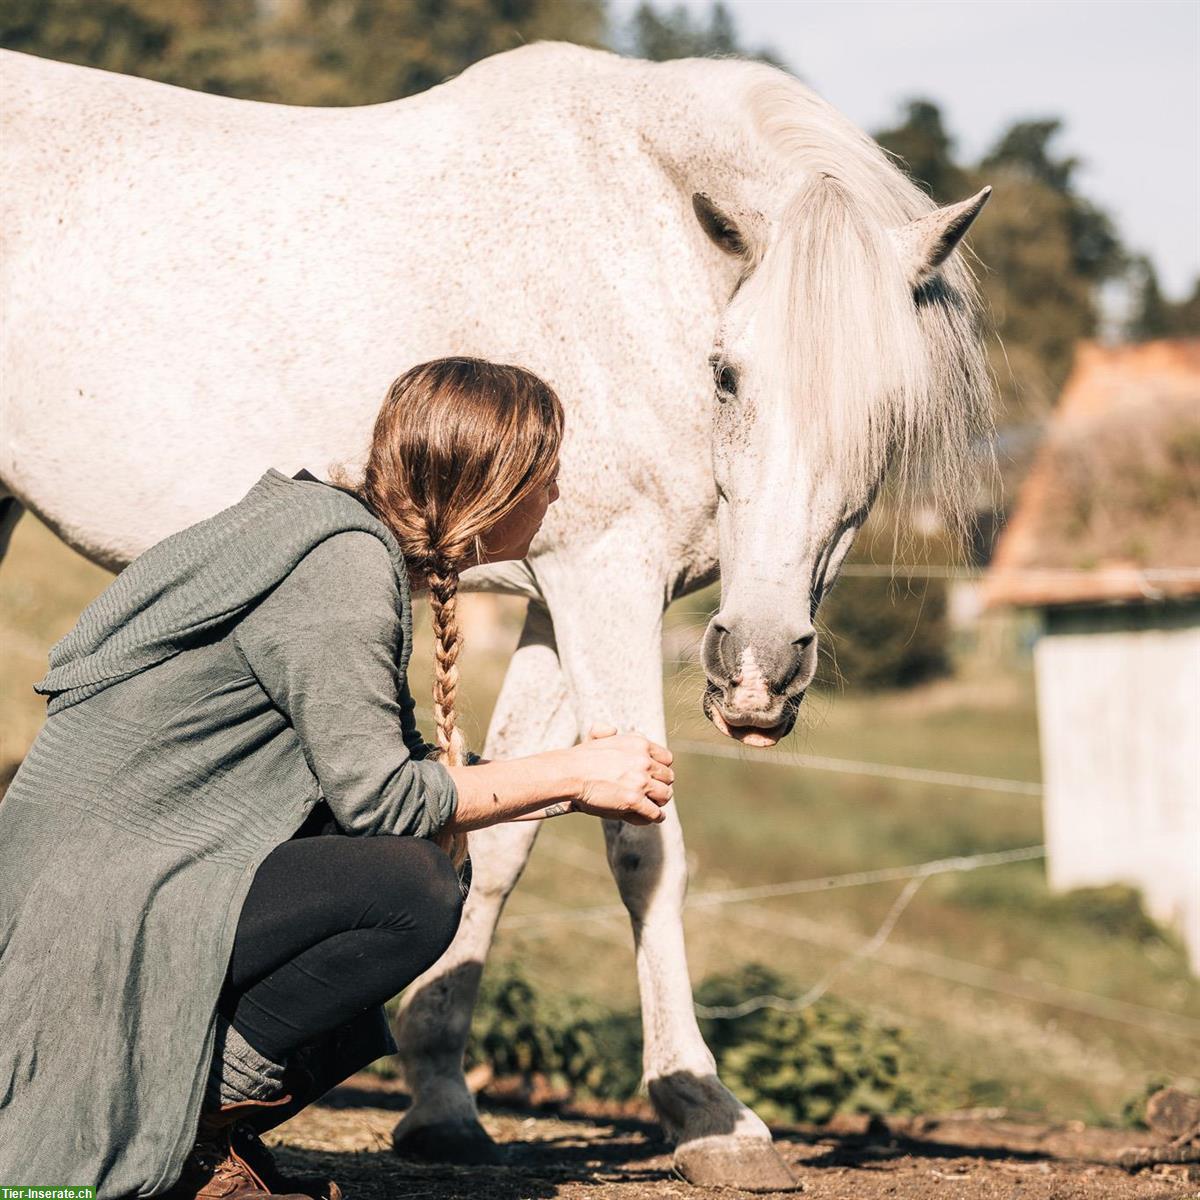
(879, 377)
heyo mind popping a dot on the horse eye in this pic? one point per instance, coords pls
(727, 381)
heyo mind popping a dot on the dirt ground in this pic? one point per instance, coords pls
(575, 1153)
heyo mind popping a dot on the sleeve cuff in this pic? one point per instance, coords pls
(441, 795)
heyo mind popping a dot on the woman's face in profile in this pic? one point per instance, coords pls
(509, 538)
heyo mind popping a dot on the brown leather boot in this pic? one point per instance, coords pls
(217, 1169)
(250, 1147)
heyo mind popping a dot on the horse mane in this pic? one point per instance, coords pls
(902, 384)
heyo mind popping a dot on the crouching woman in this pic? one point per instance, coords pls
(229, 844)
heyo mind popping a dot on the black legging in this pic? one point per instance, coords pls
(333, 926)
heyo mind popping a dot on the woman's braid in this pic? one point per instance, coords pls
(443, 604)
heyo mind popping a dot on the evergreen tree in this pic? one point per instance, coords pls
(1024, 152)
(294, 51)
(1185, 314)
(1152, 314)
(662, 34)
(1151, 317)
(926, 151)
(113, 36)
(1043, 248)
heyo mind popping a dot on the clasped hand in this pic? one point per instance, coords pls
(625, 775)
(620, 776)
(617, 776)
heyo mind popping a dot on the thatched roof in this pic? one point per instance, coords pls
(1111, 508)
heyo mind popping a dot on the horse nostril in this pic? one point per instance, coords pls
(718, 640)
(805, 640)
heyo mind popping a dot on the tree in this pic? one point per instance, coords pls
(926, 150)
(1024, 152)
(1185, 314)
(674, 33)
(1039, 301)
(294, 51)
(1026, 145)
(113, 36)
(1042, 249)
(1152, 315)
(384, 49)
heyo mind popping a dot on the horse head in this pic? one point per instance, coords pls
(849, 346)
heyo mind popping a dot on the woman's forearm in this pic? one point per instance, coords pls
(506, 789)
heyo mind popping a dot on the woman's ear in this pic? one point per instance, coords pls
(720, 228)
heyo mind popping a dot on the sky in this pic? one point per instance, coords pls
(1123, 74)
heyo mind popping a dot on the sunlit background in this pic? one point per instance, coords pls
(979, 857)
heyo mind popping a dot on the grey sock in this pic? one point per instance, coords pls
(239, 1072)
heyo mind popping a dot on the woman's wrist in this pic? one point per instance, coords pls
(569, 784)
(507, 789)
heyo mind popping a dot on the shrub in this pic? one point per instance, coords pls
(830, 1057)
(885, 633)
(572, 1042)
(789, 1066)
(1133, 1110)
(1114, 910)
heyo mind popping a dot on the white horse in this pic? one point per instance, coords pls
(196, 288)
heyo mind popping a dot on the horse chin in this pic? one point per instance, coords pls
(760, 737)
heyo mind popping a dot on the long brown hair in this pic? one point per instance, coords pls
(458, 444)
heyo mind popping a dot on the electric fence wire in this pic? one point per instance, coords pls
(907, 958)
(850, 766)
(794, 887)
(739, 902)
(1045, 574)
(818, 989)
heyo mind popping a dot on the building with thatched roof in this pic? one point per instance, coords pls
(1105, 542)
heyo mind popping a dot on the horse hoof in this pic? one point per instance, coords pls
(745, 1164)
(460, 1143)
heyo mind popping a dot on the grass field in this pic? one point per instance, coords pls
(992, 975)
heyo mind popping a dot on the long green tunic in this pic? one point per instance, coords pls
(230, 678)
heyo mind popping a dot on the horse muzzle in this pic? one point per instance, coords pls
(760, 728)
(756, 680)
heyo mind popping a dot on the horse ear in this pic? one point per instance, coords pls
(718, 226)
(926, 243)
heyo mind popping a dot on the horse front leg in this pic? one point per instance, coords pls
(610, 648)
(442, 1125)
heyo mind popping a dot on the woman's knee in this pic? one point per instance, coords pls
(446, 896)
(425, 893)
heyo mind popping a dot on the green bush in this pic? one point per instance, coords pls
(805, 1066)
(571, 1041)
(1133, 1111)
(827, 1058)
(1114, 910)
(884, 633)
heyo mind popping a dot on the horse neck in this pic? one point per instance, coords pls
(694, 119)
(759, 136)
(690, 117)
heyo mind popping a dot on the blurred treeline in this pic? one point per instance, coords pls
(336, 51)
(1046, 252)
